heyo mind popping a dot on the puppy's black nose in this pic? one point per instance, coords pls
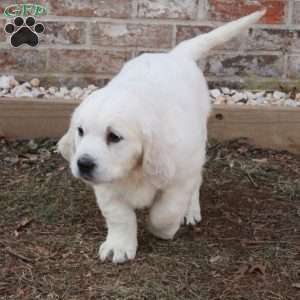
(85, 165)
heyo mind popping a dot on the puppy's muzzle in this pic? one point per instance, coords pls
(86, 166)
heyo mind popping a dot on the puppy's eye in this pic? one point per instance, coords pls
(80, 131)
(113, 138)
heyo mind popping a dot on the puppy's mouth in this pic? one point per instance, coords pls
(87, 177)
(93, 180)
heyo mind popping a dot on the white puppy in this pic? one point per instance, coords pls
(140, 141)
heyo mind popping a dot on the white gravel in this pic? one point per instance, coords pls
(10, 87)
(245, 97)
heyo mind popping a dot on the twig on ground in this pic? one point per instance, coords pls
(20, 256)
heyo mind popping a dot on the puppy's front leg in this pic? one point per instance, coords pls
(121, 240)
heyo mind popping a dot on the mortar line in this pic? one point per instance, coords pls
(174, 34)
(134, 9)
(202, 11)
(290, 13)
(88, 29)
(285, 67)
(154, 22)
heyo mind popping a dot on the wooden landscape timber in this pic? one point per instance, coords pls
(265, 126)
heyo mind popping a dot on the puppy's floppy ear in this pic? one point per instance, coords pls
(157, 164)
(66, 145)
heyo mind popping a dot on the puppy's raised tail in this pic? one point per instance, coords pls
(200, 45)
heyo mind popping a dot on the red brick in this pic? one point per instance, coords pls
(86, 61)
(132, 35)
(244, 65)
(92, 8)
(22, 60)
(64, 33)
(168, 9)
(226, 10)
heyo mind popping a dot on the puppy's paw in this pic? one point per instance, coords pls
(192, 217)
(117, 252)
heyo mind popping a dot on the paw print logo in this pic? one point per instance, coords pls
(24, 32)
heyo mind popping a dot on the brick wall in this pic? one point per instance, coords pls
(87, 41)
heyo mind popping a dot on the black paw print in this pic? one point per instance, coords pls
(24, 33)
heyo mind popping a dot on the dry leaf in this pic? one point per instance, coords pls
(42, 251)
(214, 259)
(258, 268)
(241, 272)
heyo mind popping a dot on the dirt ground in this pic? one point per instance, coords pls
(247, 246)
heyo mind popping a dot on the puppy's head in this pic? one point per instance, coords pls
(108, 139)
(100, 144)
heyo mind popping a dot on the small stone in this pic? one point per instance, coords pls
(63, 91)
(58, 95)
(22, 90)
(225, 90)
(13, 82)
(279, 95)
(35, 82)
(232, 92)
(92, 87)
(215, 93)
(32, 145)
(5, 81)
(260, 100)
(3, 93)
(220, 100)
(36, 93)
(290, 103)
(238, 97)
(76, 92)
(269, 96)
(26, 85)
(260, 94)
(249, 95)
(52, 90)
(252, 102)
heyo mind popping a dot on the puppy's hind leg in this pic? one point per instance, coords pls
(193, 213)
(168, 211)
